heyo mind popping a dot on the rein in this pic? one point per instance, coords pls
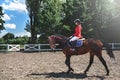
(51, 42)
(57, 39)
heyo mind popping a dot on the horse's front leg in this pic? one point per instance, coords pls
(90, 62)
(67, 62)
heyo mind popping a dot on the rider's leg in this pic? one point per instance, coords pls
(73, 39)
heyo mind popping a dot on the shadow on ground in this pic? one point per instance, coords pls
(64, 75)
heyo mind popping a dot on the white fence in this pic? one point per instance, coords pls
(45, 47)
(32, 47)
(40, 47)
(3, 47)
(115, 46)
(37, 47)
(13, 47)
(9, 47)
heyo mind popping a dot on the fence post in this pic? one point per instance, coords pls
(7, 47)
(113, 46)
(39, 47)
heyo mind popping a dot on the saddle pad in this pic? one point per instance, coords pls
(79, 43)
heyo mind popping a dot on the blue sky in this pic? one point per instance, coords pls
(15, 16)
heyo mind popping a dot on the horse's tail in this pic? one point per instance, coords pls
(109, 50)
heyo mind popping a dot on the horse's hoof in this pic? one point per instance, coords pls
(68, 72)
(72, 70)
(107, 74)
(63, 72)
(85, 72)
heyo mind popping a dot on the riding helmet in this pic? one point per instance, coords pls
(77, 20)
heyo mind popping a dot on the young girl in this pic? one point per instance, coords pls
(77, 34)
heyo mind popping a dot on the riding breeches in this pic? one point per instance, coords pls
(73, 38)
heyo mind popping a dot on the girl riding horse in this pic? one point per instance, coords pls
(91, 46)
(77, 34)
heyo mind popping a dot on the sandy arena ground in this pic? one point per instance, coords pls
(50, 66)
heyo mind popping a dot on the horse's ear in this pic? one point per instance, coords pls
(48, 37)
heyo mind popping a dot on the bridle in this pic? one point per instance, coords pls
(55, 39)
(52, 43)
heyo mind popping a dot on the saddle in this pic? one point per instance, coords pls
(76, 43)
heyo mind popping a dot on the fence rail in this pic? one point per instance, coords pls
(9, 47)
(3, 47)
(40, 47)
(13, 47)
(115, 46)
(32, 47)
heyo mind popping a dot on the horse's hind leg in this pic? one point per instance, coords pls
(90, 62)
(104, 63)
(67, 62)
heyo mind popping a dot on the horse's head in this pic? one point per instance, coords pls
(56, 39)
(52, 42)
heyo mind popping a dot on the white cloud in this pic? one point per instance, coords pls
(10, 26)
(21, 34)
(15, 5)
(6, 17)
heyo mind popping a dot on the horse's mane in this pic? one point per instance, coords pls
(64, 37)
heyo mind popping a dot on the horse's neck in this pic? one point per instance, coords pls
(61, 42)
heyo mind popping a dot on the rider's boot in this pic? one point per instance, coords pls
(71, 47)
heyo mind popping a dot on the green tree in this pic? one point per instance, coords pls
(33, 7)
(8, 36)
(2, 41)
(78, 9)
(1, 20)
(68, 9)
(95, 14)
(83, 12)
(113, 23)
(17, 40)
(50, 18)
(57, 16)
(45, 17)
(68, 19)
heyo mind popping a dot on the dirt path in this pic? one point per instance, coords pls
(50, 66)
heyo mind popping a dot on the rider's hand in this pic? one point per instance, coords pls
(71, 36)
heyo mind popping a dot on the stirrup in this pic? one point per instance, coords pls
(69, 44)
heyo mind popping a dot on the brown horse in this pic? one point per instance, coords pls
(93, 46)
